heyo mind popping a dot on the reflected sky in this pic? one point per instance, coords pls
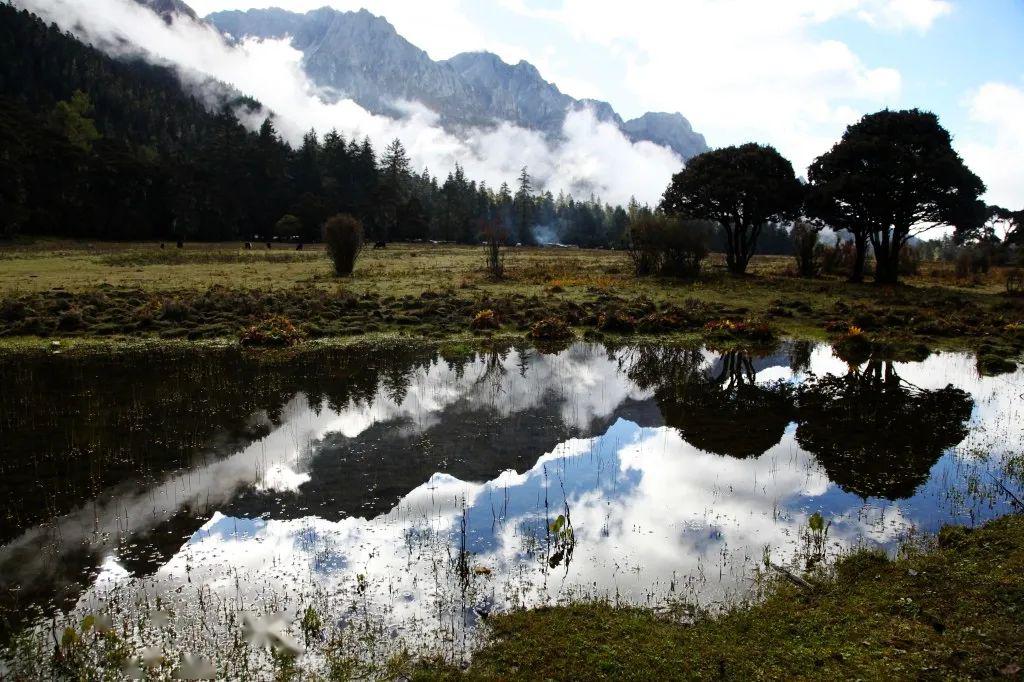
(433, 501)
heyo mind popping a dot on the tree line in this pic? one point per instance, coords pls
(116, 149)
(110, 148)
(893, 176)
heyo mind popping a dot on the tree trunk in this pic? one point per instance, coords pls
(860, 243)
(887, 264)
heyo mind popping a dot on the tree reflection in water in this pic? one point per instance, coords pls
(876, 434)
(719, 408)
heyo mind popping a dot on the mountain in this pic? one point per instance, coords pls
(361, 56)
(170, 9)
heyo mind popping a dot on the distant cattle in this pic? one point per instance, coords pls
(269, 245)
(248, 246)
(380, 244)
(299, 247)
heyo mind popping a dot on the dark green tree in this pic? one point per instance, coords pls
(393, 189)
(893, 176)
(523, 209)
(743, 189)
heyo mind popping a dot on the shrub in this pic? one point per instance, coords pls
(838, 258)
(1015, 283)
(550, 329)
(275, 331)
(343, 235)
(854, 346)
(660, 244)
(485, 319)
(806, 249)
(70, 320)
(910, 260)
(972, 260)
(616, 321)
(748, 330)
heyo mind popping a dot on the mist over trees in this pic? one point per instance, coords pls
(115, 149)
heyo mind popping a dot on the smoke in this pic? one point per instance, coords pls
(594, 158)
(545, 234)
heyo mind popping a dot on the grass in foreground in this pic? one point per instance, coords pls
(952, 611)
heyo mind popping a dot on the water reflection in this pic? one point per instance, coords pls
(876, 434)
(421, 490)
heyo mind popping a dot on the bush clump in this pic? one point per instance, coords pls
(276, 331)
(616, 321)
(550, 329)
(485, 319)
(853, 346)
(747, 330)
(661, 244)
(806, 249)
(343, 235)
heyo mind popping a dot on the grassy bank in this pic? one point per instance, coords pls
(217, 291)
(953, 610)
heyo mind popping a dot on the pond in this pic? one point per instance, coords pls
(396, 498)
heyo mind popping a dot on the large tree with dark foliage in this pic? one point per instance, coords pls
(893, 176)
(99, 147)
(743, 189)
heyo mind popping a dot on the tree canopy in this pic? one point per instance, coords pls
(743, 189)
(892, 176)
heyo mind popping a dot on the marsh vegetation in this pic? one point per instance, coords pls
(350, 511)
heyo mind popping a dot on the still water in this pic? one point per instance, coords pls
(406, 495)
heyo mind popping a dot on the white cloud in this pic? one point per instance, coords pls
(903, 14)
(739, 70)
(995, 148)
(595, 157)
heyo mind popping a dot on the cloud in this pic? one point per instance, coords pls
(739, 70)
(995, 147)
(594, 158)
(903, 14)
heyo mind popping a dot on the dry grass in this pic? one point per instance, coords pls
(69, 282)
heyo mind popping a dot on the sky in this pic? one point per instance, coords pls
(792, 73)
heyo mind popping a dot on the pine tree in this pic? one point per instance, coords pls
(523, 209)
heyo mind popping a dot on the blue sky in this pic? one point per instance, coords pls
(793, 73)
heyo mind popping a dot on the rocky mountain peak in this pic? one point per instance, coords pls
(170, 10)
(363, 57)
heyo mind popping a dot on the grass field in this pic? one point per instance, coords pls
(217, 291)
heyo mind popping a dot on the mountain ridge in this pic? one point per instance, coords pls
(362, 56)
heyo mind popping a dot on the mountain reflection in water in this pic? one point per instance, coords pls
(422, 490)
